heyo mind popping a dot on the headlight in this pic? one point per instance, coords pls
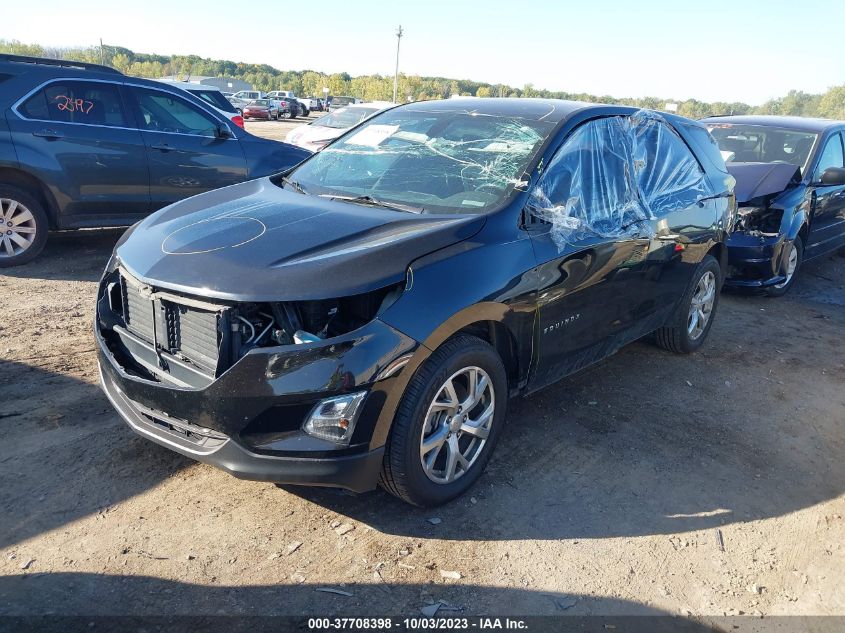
(334, 419)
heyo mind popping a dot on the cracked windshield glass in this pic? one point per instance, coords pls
(450, 161)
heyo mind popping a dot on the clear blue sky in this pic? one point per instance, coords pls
(729, 50)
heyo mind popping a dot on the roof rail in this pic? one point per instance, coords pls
(65, 63)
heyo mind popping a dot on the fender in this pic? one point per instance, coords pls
(800, 219)
(480, 313)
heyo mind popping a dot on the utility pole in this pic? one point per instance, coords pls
(396, 74)
(102, 53)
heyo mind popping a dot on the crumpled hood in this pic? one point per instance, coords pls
(257, 242)
(762, 179)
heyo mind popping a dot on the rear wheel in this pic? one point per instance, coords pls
(23, 227)
(687, 328)
(793, 263)
(447, 424)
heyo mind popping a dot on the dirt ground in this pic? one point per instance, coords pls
(697, 486)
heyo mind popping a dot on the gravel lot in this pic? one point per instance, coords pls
(695, 486)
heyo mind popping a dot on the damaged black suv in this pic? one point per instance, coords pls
(790, 174)
(365, 317)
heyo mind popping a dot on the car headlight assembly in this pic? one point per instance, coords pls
(334, 418)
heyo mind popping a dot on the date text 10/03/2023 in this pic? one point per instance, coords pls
(416, 624)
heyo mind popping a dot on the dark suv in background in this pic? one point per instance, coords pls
(83, 145)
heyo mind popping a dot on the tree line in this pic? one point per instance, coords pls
(830, 104)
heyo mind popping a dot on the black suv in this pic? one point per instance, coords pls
(366, 316)
(83, 145)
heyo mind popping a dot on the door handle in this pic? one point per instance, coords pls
(48, 134)
(162, 147)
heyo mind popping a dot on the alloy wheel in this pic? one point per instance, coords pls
(18, 228)
(701, 306)
(457, 425)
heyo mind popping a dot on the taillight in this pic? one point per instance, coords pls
(238, 120)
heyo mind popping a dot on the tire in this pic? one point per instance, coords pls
(305, 112)
(288, 114)
(796, 252)
(456, 361)
(23, 232)
(679, 335)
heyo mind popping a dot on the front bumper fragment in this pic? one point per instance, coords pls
(358, 472)
(756, 261)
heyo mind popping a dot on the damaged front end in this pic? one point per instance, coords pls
(759, 246)
(288, 392)
(192, 341)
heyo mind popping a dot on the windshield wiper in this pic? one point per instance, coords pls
(374, 202)
(297, 187)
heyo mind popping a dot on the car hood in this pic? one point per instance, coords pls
(257, 242)
(754, 180)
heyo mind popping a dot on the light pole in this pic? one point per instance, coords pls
(396, 74)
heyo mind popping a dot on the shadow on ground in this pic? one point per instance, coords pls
(93, 595)
(64, 454)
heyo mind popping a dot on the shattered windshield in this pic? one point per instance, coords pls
(346, 118)
(440, 161)
(763, 144)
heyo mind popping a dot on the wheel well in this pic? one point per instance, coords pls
(32, 185)
(720, 252)
(502, 341)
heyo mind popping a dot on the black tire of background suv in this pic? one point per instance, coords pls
(674, 335)
(42, 225)
(779, 292)
(402, 474)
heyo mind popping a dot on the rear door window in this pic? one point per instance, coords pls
(88, 102)
(165, 112)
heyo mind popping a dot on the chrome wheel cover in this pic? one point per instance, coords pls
(457, 425)
(18, 228)
(701, 306)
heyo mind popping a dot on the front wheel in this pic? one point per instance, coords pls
(288, 114)
(687, 328)
(447, 424)
(793, 263)
(23, 227)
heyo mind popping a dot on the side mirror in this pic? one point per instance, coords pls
(833, 176)
(224, 131)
